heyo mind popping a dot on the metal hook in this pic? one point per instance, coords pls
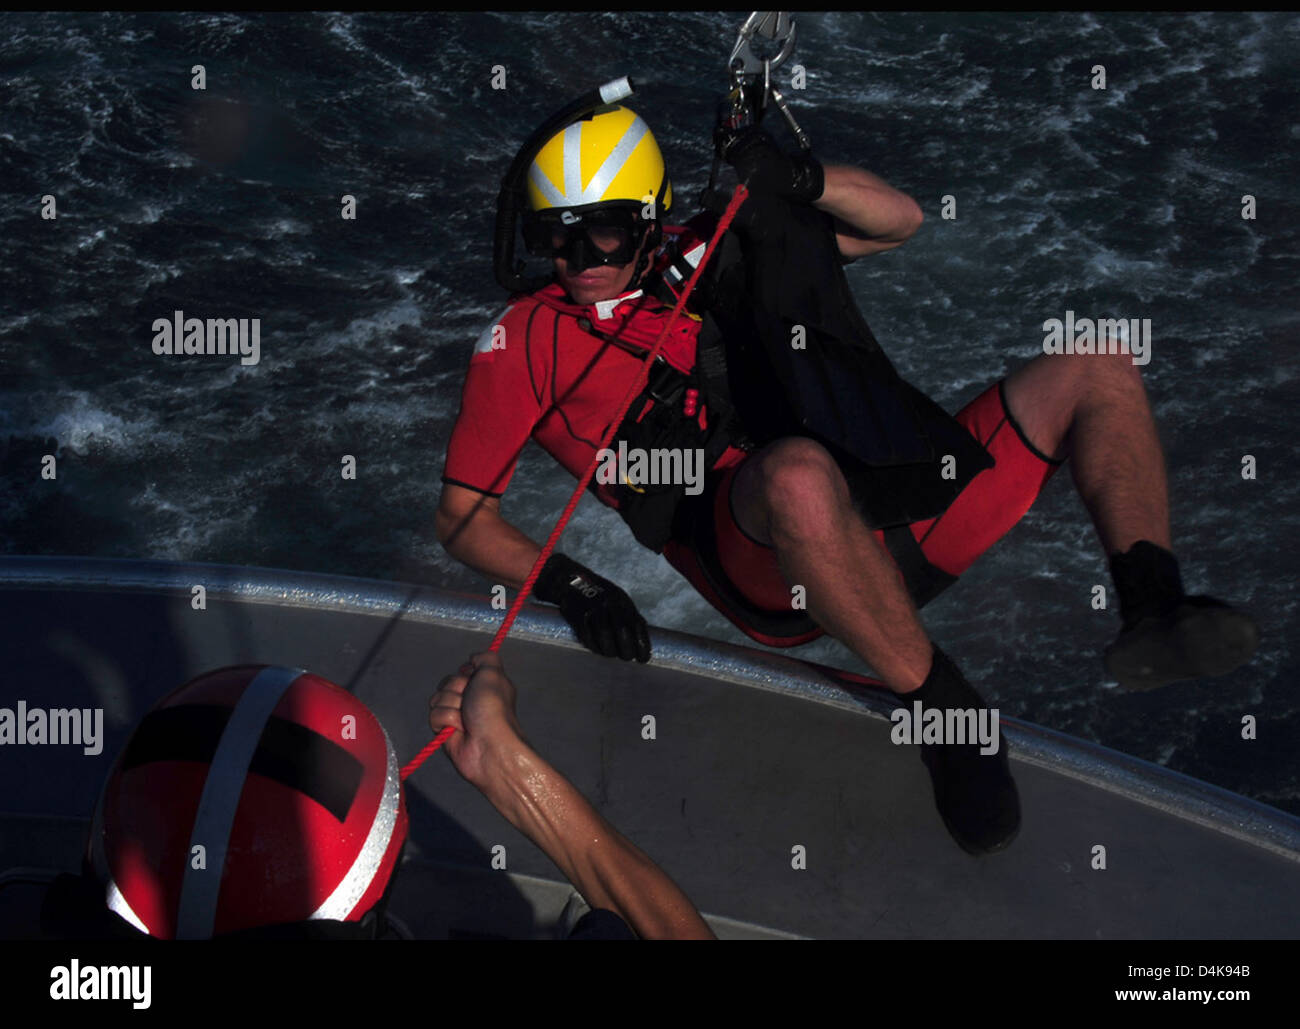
(751, 74)
(771, 27)
(776, 29)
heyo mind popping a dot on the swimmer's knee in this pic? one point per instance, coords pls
(801, 485)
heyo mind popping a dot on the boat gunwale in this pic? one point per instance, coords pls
(1093, 764)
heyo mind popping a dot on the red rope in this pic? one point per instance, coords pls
(737, 198)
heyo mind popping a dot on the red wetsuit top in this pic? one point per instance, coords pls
(537, 373)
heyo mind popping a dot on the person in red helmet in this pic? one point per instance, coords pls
(251, 801)
(260, 802)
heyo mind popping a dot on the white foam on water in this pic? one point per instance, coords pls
(282, 227)
(182, 530)
(149, 214)
(92, 240)
(78, 423)
(1106, 265)
(379, 328)
(15, 323)
(341, 26)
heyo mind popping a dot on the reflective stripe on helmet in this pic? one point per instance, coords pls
(343, 901)
(631, 166)
(222, 789)
(117, 903)
(613, 164)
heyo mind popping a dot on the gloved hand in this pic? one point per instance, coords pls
(602, 615)
(765, 168)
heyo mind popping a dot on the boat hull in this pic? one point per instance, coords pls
(753, 757)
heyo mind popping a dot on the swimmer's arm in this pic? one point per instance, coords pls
(870, 215)
(608, 869)
(471, 529)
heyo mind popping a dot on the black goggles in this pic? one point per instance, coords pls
(607, 235)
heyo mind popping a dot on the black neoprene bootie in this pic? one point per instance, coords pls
(974, 792)
(1168, 636)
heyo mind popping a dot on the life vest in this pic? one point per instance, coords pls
(675, 409)
(728, 374)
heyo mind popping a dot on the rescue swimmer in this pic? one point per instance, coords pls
(825, 466)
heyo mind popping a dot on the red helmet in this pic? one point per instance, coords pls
(252, 796)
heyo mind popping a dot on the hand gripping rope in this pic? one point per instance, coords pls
(737, 198)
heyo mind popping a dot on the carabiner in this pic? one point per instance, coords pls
(775, 28)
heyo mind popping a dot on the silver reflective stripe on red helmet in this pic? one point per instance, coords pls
(113, 897)
(343, 901)
(201, 888)
(118, 904)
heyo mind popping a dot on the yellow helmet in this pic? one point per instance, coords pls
(609, 156)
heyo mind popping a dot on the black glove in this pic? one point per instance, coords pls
(765, 168)
(602, 615)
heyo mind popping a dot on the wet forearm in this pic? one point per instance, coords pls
(608, 870)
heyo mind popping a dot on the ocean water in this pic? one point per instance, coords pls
(225, 203)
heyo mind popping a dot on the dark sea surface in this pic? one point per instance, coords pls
(225, 203)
